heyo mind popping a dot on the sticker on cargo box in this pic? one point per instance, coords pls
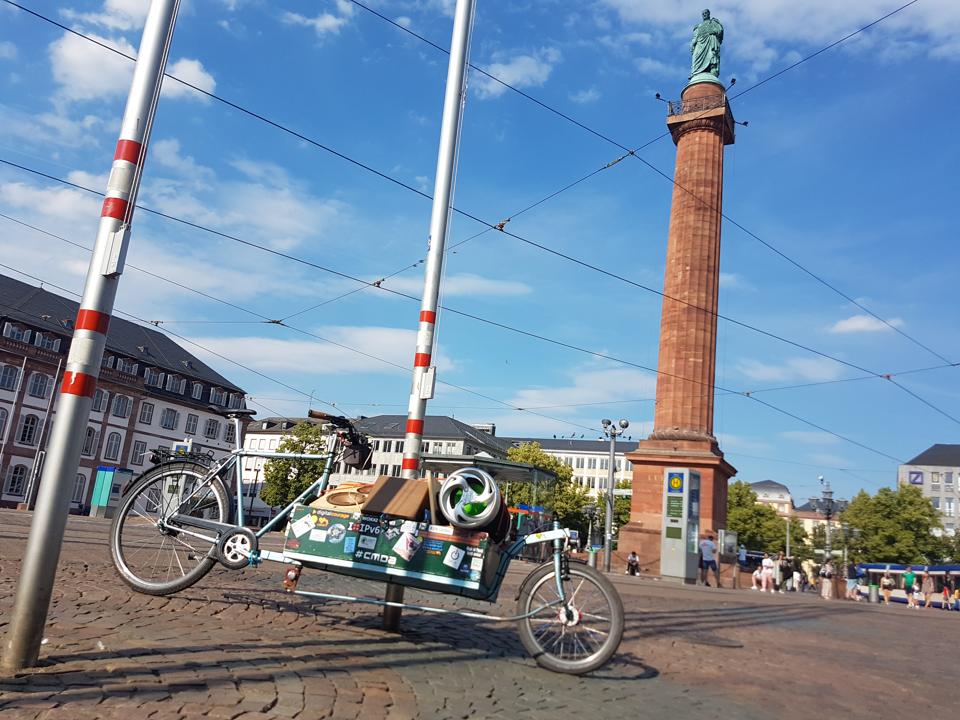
(476, 563)
(454, 557)
(409, 526)
(367, 542)
(350, 544)
(335, 534)
(407, 546)
(302, 525)
(318, 535)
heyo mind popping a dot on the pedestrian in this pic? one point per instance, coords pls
(742, 556)
(826, 579)
(786, 572)
(927, 588)
(756, 578)
(797, 576)
(708, 553)
(908, 579)
(766, 573)
(633, 563)
(886, 587)
(949, 586)
(853, 591)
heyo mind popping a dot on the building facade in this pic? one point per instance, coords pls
(936, 471)
(151, 392)
(589, 459)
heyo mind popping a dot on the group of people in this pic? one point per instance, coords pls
(783, 574)
(923, 589)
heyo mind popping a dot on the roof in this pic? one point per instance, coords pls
(769, 485)
(434, 426)
(570, 445)
(50, 312)
(938, 455)
(815, 505)
(278, 425)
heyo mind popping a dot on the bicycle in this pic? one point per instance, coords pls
(178, 520)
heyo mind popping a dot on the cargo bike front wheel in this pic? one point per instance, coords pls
(577, 636)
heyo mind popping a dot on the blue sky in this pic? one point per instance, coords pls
(848, 167)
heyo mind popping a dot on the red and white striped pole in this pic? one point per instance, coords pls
(423, 369)
(39, 566)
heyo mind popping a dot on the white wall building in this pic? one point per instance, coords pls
(936, 471)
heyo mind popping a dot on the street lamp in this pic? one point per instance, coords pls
(611, 431)
(827, 509)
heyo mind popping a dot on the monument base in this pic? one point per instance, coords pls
(705, 77)
(650, 459)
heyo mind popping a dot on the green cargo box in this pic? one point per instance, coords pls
(380, 547)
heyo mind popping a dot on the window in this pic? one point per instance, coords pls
(451, 448)
(146, 413)
(176, 384)
(197, 392)
(3, 422)
(578, 463)
(99, 401)
(273, 444)
(211, 429)
(262, 445)
(948, 508)
(230, 434)
(191, 428)
(139, 450)
(126, 365)
(38, 385)
(17, 479)
(15, 332)
(376, 444)
(236, 401)
(218, 396)
(591, 463)
(604, 463)
(8, 377)
(169, 419)
(27, 434)
(89, 442)
(152, 377)
(78, 487)
(395, 470)
(382, 470)
(47, 342)
(107, 361)
(111, 450)
(388, 445)
(936, 503)
(948, 478)
(121, 406)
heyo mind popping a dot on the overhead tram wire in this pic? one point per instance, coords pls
(498, 226)
(487, 321)
(473, 392)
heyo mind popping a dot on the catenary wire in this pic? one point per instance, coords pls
(407, 186)
(494, 323)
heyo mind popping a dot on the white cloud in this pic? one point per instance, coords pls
(527, 70)
(807, 369)
(193, 72)
(464, 285)
(864, 324)
(325, 23)
(50, 128)
(758, 34)
(167, 154)
(583, 97)
(810, 437)
(654, 68)
(308, 356)
(115, 15)
(85, 71)
(590, 386)
(403, 21)
(8, 51)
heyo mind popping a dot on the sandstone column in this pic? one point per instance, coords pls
(701, 125)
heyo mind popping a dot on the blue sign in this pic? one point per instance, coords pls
(675, 482)
(916, 477)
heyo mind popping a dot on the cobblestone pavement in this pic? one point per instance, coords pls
(234, 646)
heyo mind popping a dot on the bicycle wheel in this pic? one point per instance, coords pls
(577, 637)
(151, 554)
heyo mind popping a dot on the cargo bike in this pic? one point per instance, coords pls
(186, 514)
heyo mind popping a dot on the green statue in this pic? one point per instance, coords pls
(705, 47)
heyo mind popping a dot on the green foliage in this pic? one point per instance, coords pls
(621, 506)
(758, 526)
(896, 526)
(563, 497)
(284, 480)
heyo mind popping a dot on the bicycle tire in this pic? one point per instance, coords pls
(131, 532)
(594, 624)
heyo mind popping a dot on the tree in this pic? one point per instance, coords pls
(621, 506)
(896, 526)
(284, 480)
(563, 497)
(757, 525)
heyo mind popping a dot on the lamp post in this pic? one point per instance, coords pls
(827, 509)
(611, 431)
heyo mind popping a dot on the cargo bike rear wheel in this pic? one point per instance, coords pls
(575, 637)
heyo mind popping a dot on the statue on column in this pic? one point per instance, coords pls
(705, 47)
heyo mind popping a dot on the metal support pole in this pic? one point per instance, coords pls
(788, 537)
(39, 566)
(424, 371)
(40, 455)
(608, 524)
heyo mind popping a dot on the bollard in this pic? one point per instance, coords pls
(874, 593)
(592, 558)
